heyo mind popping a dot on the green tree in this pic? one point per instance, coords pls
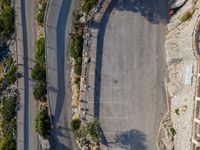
(8, 108)
(10, 75)
(39, 72)
(87, 5)
(7, 17)
(8, 143)
(40, 51)
(40, 91)
(92, 128)
(75, 124)
(42, 123)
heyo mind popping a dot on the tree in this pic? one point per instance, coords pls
(75, 124)
(42, 122)
(8, 109)
(87, 5)
(92, 128)
(10, 75)
(40, 51)
(39, 72)
(8, 143)
(40, 91)
(7, 17)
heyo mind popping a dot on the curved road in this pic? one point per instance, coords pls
(58, 71)
(130, 72)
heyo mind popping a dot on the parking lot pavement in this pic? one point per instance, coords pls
(129, 92)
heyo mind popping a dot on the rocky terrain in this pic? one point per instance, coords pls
(182, 76)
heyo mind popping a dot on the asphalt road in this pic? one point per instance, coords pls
(58, 72)
(130, 71)
(26, 35)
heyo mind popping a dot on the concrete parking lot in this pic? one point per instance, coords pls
(130, 70)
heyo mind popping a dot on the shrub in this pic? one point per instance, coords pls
(7, 18)
(185, 17)
(78, 66)
(8, 62)
(8, 143)
(40, 52)
(76, 46)
(42, 122)
(10, 75)
(173, 131)
(41, 13)
(92, 128)
(75, 124)
(39, 72)
(87, 5)
(40, 91)
(8, 109)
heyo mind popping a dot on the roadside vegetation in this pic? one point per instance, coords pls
(42, 122)
(8, 77)
(6, 19)
(86, 133)
(41, 12)
(76, 42)
(39, 72)
(87, 5)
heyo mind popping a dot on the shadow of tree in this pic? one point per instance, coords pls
(155, 11)
(132, 140)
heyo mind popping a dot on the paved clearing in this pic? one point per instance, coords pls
(130, 72)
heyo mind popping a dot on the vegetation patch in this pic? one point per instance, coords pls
(186, 16)
(87, 5)
(8, 113)
(11, 74)
(173, 131)
(75, 124)
(87, 132)
(41, 12)
(42, 122)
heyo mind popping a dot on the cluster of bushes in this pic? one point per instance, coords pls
(87, 5)
(89, 130)
(39, 72)
(8, 123)
(6, 18)
(41, 12)
(42, 122)
(76, 43)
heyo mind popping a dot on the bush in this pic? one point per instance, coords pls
(78, 66)
(39, 72)
(42, 123)
(40, 52)
(87, 5)
(186, 16)
(10, 75)
(173, 131)
(7, 19)
(41, 13)
(75, 124)
(76, 46)
(8, 109)
(8, 62)
(40, 91)
(92, 128)
(8, 143)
